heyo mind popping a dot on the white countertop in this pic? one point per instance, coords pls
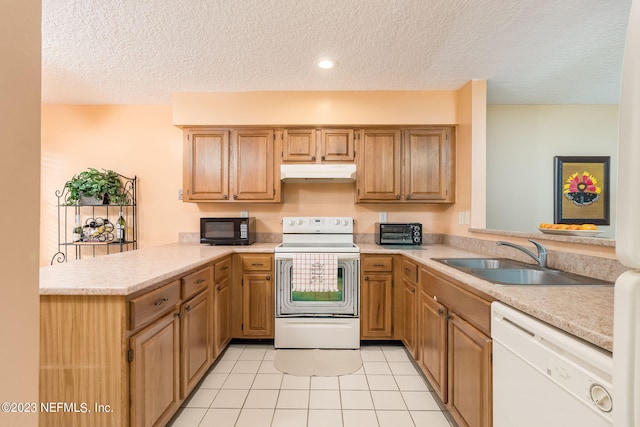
(584, 311)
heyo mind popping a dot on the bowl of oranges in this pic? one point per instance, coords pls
(583, 230)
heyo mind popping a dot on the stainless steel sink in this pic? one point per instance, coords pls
(483, 263)
(509, 272)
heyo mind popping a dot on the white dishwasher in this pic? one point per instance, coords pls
(544, 377)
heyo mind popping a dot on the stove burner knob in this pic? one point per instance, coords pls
(345, 222)
(299, 221)
(336, 221)
(292, 221)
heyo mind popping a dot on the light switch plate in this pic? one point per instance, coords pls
(382, 217)
(180, 194)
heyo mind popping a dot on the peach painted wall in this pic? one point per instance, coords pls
(20, 173)
(142, 141)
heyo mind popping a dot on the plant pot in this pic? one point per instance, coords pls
(89, 201)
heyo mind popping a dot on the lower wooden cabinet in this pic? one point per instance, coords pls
(469, 374)
(221, 316)
(455, 348)
(376, 297)
(195, 337)
(155, 372)
(253, 297)
(410, 297)
(258, 304)
(432, 343)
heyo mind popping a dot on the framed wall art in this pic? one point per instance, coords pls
(581, 190)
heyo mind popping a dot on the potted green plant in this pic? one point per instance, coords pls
(94, 187)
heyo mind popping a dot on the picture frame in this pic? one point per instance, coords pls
(581, 190)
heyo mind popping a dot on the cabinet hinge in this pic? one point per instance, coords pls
(242, 282)
(242, 326)
(274, 136)
(130, 355)
(274, 191)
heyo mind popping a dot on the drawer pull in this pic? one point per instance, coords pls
(160, 302)
(200, 281)
(366, 277)
(378, 265)
(257, 264)
(440, 311)
(268, 278)
(187, 308)
(225, 268)
(407, 270)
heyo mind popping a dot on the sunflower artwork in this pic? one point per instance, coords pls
(581, 190)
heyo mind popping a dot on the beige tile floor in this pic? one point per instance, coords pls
(244, 389)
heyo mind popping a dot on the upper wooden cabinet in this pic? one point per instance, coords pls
(428, 165)
(234, 166)
(318, 145)
(379, 163)
(417, 168)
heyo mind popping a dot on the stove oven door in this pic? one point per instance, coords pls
(344, 303)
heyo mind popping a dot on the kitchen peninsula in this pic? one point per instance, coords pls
(90, 322)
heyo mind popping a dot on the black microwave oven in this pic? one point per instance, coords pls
(228, 231)
(406, 233)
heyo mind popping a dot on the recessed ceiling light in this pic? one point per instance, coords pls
(326, 64)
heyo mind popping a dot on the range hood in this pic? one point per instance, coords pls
(318, 173)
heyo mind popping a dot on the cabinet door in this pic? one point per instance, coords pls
(379, 165)
(257, 305)
(206, 165)
(299, 145)
(432, 343)
(252, 176)
(195, 335)
(337, 145)
(409, 311)
(428, 166)
(376, 306)
(155, 372)
(470, 384)
(222, 314)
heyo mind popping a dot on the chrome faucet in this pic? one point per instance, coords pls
(541, 258)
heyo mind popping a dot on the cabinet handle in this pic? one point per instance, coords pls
(226, 196)
(179, 314)
(313, 157)
(408, 196)
(235, 196)
(257, 264)
(322, 158)
(366, 277)
(398, 196)
(268, 278)
(218, 288)
(378, 265)
(199, 281)
(160, 302)
(187, 308)
(440, 311)
(413, 290)
(224, 268)
(407, 270)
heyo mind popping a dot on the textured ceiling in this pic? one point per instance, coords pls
(142, 51)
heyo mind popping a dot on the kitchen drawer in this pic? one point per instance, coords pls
(470, 307)
(377, 263)
(195, 282)
(152, 304)
(409, 271)
(257, 262)
(222, 269)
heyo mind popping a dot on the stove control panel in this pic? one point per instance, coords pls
(317, 225)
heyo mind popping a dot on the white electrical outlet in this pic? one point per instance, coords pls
(382, 217)
(180, 194)
(467, 217)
